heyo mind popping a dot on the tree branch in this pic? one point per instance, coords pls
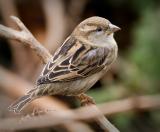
(102, 120)
(25, 36)
(84, 113)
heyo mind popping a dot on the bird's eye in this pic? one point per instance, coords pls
(99, 29)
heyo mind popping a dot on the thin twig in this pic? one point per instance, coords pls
(84, 113)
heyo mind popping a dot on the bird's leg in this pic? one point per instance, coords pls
(85, 99)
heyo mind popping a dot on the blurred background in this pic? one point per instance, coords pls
(136, 72)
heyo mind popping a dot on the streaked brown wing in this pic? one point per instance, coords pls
(74, 60)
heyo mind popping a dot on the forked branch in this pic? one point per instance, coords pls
(25, 36)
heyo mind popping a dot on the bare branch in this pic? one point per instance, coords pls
(25, 36)
(102, 120)
(84, 113)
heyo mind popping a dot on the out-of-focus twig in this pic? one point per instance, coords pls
(25, 36)
(84, 113)
(55, 23)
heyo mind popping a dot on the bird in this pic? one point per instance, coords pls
(83, 58)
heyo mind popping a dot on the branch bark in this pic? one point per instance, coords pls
(101, 120)
(84, 113)
(25, 36)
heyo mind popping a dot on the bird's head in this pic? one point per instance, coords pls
(96, 30)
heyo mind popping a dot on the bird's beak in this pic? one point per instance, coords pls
(114, 28)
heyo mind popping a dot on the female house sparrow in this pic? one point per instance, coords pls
(78, 64)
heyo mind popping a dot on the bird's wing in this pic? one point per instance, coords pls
(73, 60)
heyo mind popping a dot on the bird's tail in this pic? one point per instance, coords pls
(20, 103)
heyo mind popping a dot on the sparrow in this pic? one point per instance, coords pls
(78, 64)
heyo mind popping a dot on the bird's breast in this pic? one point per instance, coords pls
(112, 55)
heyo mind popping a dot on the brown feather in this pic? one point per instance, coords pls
(72, 64)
